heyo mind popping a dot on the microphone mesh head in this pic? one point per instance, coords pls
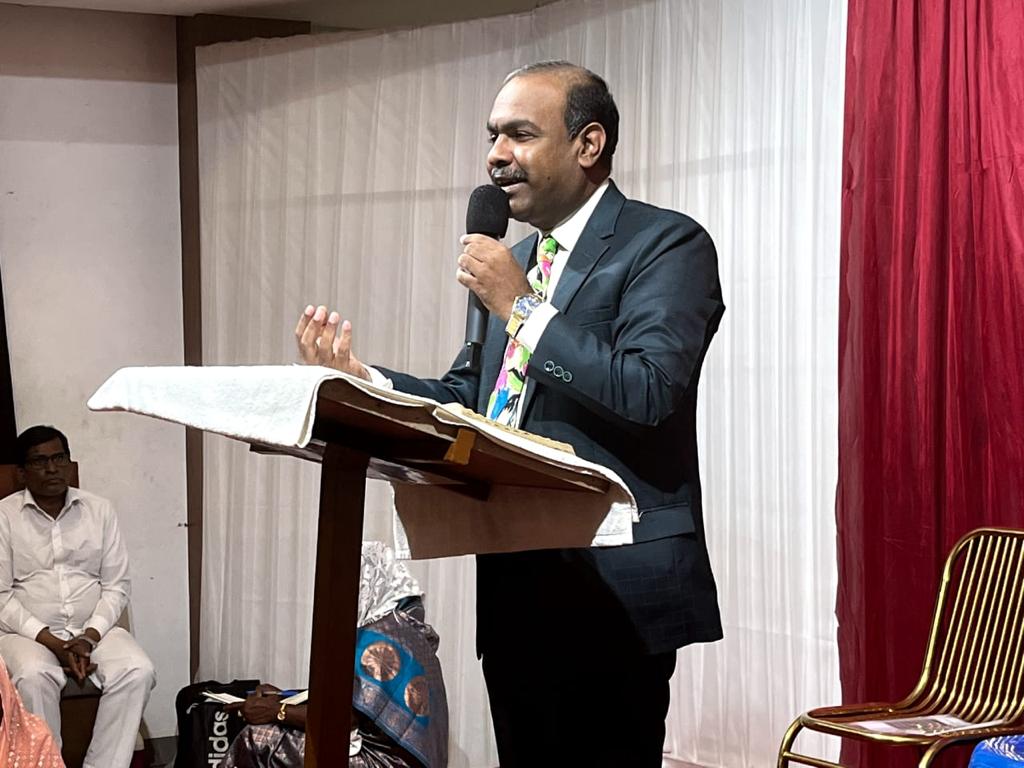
(488, 212)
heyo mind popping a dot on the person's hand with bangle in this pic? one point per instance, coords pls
(257, 709)
(265, 706)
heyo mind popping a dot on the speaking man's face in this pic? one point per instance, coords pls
(531, 155)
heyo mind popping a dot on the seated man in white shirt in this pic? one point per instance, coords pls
(63, 585)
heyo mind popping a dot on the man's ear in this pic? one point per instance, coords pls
(21, 475)
(591, 144)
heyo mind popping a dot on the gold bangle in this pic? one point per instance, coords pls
(280, 712)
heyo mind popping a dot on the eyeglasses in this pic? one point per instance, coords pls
(40, 462)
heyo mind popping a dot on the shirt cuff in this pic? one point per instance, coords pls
(378, 379)
(99, 623)
(533, 327)
(32, 627)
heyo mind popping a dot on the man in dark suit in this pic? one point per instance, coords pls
(598, 328)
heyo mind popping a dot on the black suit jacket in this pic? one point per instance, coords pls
(615, 375)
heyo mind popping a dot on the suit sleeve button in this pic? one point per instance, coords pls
(549, 366)
(567, 377)
(558, 371)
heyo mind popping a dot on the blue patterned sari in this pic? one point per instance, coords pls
(397, 693)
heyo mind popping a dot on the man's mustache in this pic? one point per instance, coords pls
(507, 176)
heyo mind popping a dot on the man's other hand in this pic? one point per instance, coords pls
(490, 271)
(322, 342)
(79, 673)
(76, 664)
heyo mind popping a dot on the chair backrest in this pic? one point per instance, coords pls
(974, 662)
(9, 481)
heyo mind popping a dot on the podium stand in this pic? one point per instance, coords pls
(359, 432)
(354, 438)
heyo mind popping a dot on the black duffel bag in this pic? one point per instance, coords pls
(205, 731)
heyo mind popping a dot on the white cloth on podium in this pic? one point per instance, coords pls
(275, 405)
(272, 404)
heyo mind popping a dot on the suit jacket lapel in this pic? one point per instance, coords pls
(593, 243)
(588, 251)
(525, 250)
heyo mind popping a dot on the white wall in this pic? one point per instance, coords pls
(90, 253)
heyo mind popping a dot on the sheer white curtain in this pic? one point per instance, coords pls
(336, 170)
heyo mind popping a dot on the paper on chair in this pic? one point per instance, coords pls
(932, 725)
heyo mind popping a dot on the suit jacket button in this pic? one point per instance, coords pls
(567, 377)
(549, 366)
(558, 371)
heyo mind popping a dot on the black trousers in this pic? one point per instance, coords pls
(555, 705)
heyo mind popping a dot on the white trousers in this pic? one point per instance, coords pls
(123, 672)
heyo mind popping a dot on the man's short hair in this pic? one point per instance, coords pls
(587, 100)
(34, 436)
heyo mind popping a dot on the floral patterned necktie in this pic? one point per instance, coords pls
(509, 386)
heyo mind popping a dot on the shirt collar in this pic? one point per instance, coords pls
(73, 497)
(567, 234)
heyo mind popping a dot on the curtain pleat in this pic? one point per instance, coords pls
(336, 169)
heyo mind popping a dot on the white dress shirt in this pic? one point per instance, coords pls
(566, 234)
(67, 573)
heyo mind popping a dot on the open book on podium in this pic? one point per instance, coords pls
(462, 485)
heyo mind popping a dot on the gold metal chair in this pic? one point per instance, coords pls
(973, 666)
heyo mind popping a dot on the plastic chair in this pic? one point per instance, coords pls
(973, 666)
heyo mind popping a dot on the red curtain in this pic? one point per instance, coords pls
(931, 374)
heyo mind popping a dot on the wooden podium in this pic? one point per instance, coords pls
(354, 438)
(357, 433)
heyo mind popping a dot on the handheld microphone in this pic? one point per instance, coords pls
(487, 214)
